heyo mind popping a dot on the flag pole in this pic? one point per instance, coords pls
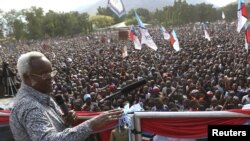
(122, 71)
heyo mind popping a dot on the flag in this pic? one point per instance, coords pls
(124, 52)
(248, 36)
(194, 28)
(145, 36)
(207, 35)
(242, 14)
(140, 23)
(133, 36)
(174, 41)
(166, 35)
(204, 26)
(132, 33)
(147, 39)
(117, 7)
(223, 15)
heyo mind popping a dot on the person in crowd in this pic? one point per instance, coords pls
(120, 133)
(89, 104)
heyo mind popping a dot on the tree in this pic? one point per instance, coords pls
(230, 12)
(1, 24)
(9, 19)
(18, 29)
(34, 17)
(101, 21)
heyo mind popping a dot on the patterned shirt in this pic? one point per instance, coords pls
(36, 116)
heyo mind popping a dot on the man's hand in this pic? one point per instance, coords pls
(105, 118)
(71, 118)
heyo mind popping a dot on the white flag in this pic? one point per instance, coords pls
(194, 28)
(176, 45)
(207, 35)
(147, 39)
(223, 15)
(137, 43)
(124, 52)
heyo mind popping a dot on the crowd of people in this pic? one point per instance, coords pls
(203, 76)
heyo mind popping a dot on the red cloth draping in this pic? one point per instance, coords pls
(4, 111)
(171, 127)
(106, 129)
(4, 119)
(105, 135)
(82, 113)
(245, 111)
(186, 127)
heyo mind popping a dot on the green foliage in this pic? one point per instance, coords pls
(1, 34)
(182, 13)
(131, 21)
(18, 29)
(33, 23)
(101, 21)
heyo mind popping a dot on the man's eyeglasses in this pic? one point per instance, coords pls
(46, 75)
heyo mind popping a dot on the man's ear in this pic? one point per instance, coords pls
(26, 78)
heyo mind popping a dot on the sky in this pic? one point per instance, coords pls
(55, 5)
(69, 5)
(221, 3)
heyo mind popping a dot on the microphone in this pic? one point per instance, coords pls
(60, 101)
(126, 89)
(133, 86)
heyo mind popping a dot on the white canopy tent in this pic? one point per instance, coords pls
(122, 25)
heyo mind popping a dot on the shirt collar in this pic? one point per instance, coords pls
(41, 97)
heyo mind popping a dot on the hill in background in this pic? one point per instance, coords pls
(151, 5)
